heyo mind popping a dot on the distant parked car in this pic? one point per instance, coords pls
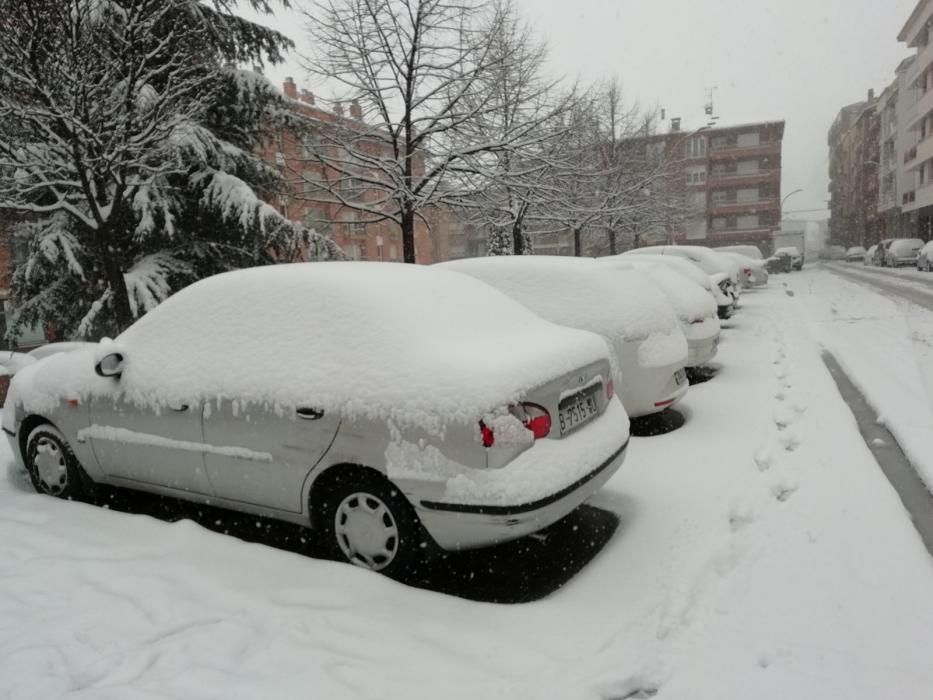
(796, 258)
(903, 251)
(855, 254)
(833, 252)
(711, 262)
(870, 255)
(925, 259)
(649, 351)
(411, 408)
(749, 251)
(754, 271)
(693, 305)
(780, 262)
(719, 290)
(12, 361)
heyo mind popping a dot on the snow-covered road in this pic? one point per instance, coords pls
(761, 554)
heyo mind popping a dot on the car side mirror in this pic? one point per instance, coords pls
(110, 365)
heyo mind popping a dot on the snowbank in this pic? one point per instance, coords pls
(419, 346)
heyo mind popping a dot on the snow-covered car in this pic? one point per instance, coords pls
(855, 254)
(12, 361)
(720, 294)
(925, 258)
(754, 272)
(902, 251)
(693, 305)
(723, 271)
(796, 258)
(870, 255)
(749, 251)
(390, 407)
(648, 349)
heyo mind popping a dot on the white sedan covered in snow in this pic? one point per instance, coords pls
(388, 406)
(693, 305)
(649, 351)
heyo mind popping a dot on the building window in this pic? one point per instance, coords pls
(752, 138)
(719, 223)
(697, 147)
(393, 253)
(750, 221)
(310, 144)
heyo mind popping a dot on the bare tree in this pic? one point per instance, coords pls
(418, 73)
(523, 108)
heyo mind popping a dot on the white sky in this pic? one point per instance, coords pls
(798, 60)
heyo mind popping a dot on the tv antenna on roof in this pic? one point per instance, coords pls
(710, 108)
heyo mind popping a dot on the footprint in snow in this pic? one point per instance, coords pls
(784, 488)
(790, 440)
(763, 459)
(789, 292)
(635, 687)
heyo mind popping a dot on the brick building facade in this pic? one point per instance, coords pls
(352, 230)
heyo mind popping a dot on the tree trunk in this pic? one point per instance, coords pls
(612, 242)
(577, 246)
(407, 225)
(518, 240)
(122, 313)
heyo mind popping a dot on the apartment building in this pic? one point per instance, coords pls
(355, 232)
(728, 181)
(895, 183)
(918, 204)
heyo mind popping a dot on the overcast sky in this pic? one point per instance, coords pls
(797, 60)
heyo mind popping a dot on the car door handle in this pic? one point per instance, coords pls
(180, 408)
(309, 413)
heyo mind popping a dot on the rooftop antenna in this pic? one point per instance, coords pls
(710, 107)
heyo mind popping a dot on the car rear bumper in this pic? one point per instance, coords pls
(457, 526)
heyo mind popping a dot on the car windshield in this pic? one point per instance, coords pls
(457, 349)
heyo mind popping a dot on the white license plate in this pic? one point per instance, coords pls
(577, 410)
(680, 376)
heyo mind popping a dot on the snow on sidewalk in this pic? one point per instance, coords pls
(761, 554)
(885, 346)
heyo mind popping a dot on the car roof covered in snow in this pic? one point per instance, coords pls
(684, 267)
(579, 293)
(691, 302)
(749, 251)
(904, 246)
(710, 261)
(787, 250)
(417, 345)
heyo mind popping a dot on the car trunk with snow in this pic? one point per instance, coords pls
(649, 351)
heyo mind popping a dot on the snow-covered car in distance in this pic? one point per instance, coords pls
(754, 272)
(870, 255)
(723, 271)
(925, 257)
(720, 294)
(902, 251)
(749, 251)
(648, 349)
(796, 258)
(11, 361)
(855, 254)
(391, 407)
(693, 305)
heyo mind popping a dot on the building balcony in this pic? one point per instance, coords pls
(740, 235)
(922, 197)
(887, 201)
(737, 207)
(921, 63)
(922, 152)
(738, 179)
(771, 148)
(920, 110)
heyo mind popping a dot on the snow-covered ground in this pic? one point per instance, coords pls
(884, 343)
(761, 554)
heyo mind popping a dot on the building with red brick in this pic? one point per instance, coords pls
(352, 230)
(726, 182)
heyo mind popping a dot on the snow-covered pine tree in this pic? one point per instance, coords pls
(128, 158)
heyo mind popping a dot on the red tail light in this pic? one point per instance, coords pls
(488, 438)
(610, 389)
(537, 420)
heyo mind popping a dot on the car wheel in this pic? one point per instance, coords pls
(52, 466)
(369, 522)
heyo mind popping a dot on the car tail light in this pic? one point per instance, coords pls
(747, 272)
(610, 390)
(488, 438)
(537, 420)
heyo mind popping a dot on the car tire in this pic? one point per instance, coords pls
(367, 521)
(52, 466)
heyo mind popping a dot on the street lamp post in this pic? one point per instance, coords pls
(788, 196)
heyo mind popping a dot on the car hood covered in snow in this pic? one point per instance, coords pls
(416, 345)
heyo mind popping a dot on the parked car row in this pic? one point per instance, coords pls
(396, 409)
(891, 252)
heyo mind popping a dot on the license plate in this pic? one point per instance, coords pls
(680, 376)
(576, 410)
